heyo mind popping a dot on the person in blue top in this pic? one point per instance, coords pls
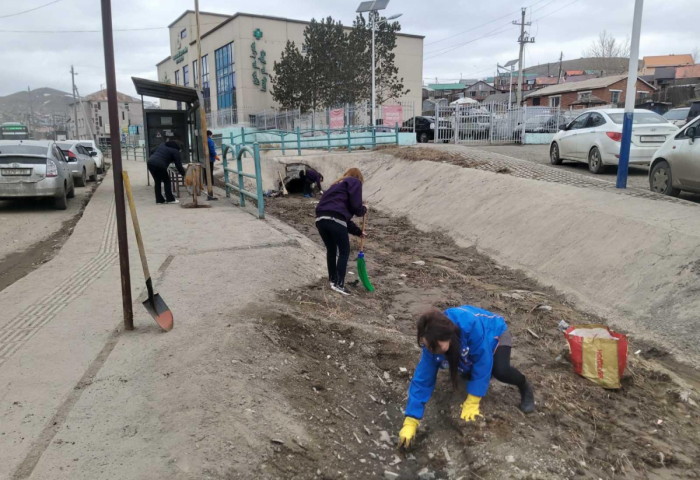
(472, 343)
(213, 157)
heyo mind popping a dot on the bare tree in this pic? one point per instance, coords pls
(696, 55)
(608, 50)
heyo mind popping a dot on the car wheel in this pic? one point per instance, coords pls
(423, 138)
(83, 179)
(595, 161)
(62, 201)
(554, 157)
(660, 180)
(71, 192)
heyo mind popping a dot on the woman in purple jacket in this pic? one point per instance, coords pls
(334, 213)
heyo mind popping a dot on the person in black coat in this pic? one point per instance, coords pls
(163, 156)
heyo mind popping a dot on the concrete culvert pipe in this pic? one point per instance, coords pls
(292, 180)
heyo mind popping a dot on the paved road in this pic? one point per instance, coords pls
(28, 221)
(638, 176)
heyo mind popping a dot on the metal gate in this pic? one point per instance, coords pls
(493, 123)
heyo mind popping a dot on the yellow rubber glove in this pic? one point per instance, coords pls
(408, 432)
(470, 408)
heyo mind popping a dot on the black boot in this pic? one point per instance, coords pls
(527, 398)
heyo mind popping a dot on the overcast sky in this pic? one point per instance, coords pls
(43, 59)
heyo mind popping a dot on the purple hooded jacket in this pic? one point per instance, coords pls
(343, 201)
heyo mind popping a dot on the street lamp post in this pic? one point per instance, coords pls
(630, 97)
(374, 94)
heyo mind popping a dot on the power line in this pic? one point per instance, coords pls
(555, 11)
(97, 31)
(482, 25)
(30, 10)
(490, 34)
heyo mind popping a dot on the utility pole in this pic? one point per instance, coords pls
(31, 111)
(113, 107)
(88, 116)
(75, 106)
(630, 97)
(202, 113)
(561, 58)
(522, 40)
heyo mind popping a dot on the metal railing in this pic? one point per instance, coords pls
(240, 188)
(325, 139)
(134, 152)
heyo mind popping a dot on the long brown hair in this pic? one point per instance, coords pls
(351, 172)
(434, 326)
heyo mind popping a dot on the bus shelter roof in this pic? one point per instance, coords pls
(166, 91)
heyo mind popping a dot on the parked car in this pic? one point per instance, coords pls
(35, 168)
(545, 124)
(595, 137)
(82, 164)
(425, 128)
(95, 153)
(475, 125)
(676, 164)
(694, 111)
(677, 116)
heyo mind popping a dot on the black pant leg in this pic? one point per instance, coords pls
(168, 186)
(342, 239)
(157, 181)
(307, 187)
(503, 371)
(324, 229)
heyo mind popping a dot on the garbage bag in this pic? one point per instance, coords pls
(598, 353)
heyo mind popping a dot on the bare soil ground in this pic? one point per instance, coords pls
(350, 390)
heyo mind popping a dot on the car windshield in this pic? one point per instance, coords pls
(23, 150)
(65, 146)
(89, 148)
(646, 118)
(678, 114)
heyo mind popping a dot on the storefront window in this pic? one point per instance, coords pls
(205, 83)
(225, 77)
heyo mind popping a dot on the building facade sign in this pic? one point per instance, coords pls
(179, 57)
(262, 68)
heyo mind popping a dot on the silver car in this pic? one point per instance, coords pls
(35, 168)
(81, 162)
(676, 164)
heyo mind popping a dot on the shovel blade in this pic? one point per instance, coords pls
(160, 312)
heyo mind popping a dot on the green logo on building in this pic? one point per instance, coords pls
(257, 34)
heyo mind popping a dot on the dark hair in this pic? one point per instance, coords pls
(176, 144)
(434, 326)
(209, 134)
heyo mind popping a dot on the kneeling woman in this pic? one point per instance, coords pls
(471, 342)
(334, 221)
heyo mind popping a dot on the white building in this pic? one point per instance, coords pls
(239, 51)
(93, 111)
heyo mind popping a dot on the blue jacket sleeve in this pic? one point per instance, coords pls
(355, 199)
(422, 385)
(481, 355)
(212, 148)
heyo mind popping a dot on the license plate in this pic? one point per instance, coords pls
(652, 138)
(7, 172)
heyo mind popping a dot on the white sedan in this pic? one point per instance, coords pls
(594, 137)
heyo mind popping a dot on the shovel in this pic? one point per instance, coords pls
(155, 304)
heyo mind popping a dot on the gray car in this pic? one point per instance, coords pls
(35, 168)
(82, 164)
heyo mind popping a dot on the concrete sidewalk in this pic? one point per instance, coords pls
(82, 399)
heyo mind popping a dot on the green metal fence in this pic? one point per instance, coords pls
(134, 152)
(242, 192)
(325, 139)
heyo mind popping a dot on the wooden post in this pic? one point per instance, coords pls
(202, 113)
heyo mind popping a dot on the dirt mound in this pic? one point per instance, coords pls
(355, 357)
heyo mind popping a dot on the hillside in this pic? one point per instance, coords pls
(610, 65)
(44, 101)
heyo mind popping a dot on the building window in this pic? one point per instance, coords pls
(183, 33)
(205, 84)
(126, 107)
(642, 96)
(555, 101)
(100, 121)
(303, 48)
(225, 77)
(472, 93)
(99, 105)
(186, 75)
(584, 95)
(536, 102)
(123, 116)
(177, 77)
(615, 96)
(195, 75)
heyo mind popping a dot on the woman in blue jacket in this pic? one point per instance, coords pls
(470, 342)
(334, 215)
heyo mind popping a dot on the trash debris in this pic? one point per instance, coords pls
(420, 263)
(563, 325)
(357, 438)
(367, 431)
(603, 359)
(385, 437)
(533, 334)
(277, 441)
(510, 459)
(348, 412)
(448, 459)
(387, 377)
(390, 475)
(426, 474)
(396, 461)
(391, 318)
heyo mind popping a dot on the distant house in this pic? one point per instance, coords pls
(479, 91)
(573, 73)
(587, 93)
(499, 98)
(650, 64)
(449, 91)
(689, 74)
(541, 82)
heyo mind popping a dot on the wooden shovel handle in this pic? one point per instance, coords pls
(364, 222)
(137, 229)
